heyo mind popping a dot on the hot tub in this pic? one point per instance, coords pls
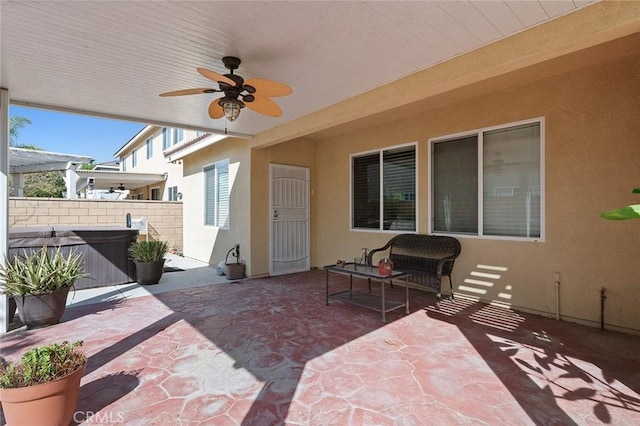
(104, 249)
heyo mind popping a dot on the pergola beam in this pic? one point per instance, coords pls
(44, 167)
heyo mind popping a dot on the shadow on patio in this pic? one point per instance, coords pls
(268, 351)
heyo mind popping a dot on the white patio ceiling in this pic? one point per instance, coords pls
(114, 58)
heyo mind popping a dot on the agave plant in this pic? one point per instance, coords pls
(41, 271)
(148, 251)
(624, 213)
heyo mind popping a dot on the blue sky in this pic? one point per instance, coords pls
(77, 134)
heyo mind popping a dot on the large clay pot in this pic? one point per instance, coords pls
(47, 404)
(149, 272)
(12, 309)
(234, 271)
(42, 310)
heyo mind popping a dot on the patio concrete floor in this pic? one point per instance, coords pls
(268, 351)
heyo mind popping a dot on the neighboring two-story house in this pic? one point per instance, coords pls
(144, 153)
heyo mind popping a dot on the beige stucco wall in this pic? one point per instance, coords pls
(164, 217)
(578, 73)
(208, 243)
(592, 151)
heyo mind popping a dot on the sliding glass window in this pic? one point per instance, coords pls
(489, 183)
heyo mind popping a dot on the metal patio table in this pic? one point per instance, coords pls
(368, 300)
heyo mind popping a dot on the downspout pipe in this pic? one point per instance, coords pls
(557, 300)
(603, 297)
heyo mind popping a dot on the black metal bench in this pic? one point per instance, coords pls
(427, 257)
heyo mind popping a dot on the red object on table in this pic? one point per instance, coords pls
(385, 267)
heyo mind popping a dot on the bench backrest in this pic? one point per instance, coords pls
(407, 249)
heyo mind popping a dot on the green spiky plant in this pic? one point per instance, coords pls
(42, 365)
(624, 213)
(148, 251)
(41, 271)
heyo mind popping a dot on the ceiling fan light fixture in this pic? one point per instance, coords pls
(255, 93)
(231, 108)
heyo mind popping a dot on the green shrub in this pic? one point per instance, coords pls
(42, 365)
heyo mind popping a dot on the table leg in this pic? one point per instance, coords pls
(384, 308)
(326, 302)
(351, 286)
(406, 289)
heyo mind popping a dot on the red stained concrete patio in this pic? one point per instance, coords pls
(268, 351)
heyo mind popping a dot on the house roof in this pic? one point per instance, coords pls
(114, 58)
(144, 133)
(185, 148)
(105, 179)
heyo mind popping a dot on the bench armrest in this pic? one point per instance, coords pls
(442, 262)
(373, 251)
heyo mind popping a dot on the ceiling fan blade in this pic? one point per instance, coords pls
(212, 75)
(215, 110)
(269, 88)
(190, 91)
(264, 105)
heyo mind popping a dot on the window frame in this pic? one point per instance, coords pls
(215, 166)
(178, 136)
(149, 146)
(172, 193)
(479, 133)
(157, 191)
(166, 138)
(380, 152)
(134, 158)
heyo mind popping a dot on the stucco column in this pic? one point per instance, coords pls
(4, 198)
(71, 179)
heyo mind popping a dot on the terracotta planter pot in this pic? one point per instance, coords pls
(41, 310)
(48, 404)
(149, 272)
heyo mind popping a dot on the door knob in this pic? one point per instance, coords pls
(275, 214)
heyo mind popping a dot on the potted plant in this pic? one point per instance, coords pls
(39, 282)
(234, 270)
(148, 257)
(42, 389)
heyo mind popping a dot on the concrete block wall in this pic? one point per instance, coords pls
(164, 217)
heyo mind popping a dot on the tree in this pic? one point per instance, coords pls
(16, 124)
(45, 184)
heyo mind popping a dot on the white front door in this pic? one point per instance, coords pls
(289, 209)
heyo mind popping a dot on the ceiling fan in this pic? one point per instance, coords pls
(254, 93)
